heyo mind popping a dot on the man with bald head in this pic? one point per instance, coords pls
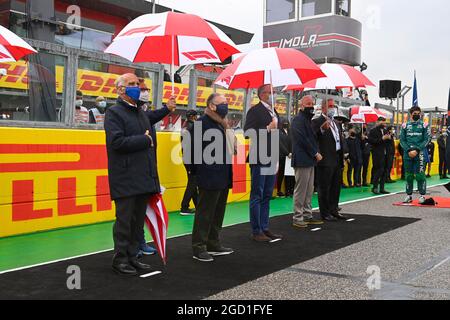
(305, 156)
(133, 176)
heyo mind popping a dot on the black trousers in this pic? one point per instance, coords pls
(379, 171)
(289, 182)
(365, 167)
(354, 170)
(329, 188)
(389, 165)
(130, 213)
(191, 191)
(208, 219)
(442, 163)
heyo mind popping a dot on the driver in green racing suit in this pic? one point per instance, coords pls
(414, 138)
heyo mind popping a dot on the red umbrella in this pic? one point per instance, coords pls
(338, 76)
(365, 114)
(172, 38)
(275, 66)
(157, 220)
(12, 47)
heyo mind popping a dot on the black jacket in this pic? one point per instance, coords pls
(258, 118)
(131, 158)
(379, 146)
(216, 176)
(355, 150)
(304, 144)
(327, 144)
(285, 143)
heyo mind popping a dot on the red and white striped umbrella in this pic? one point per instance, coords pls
(157, 220)
(338, 76)
(172, 38)
(276, 66)
(365, 114)
(12, 47)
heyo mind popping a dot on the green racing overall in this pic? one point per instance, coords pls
(414, 137)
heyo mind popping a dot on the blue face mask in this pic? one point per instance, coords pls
(222, 110)
(133, 92)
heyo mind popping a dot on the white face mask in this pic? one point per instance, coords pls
(102, 104)
(78, 103)
(145, 96)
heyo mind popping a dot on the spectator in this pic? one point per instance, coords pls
(305, 155)
(97, 113)
(214, 181)
(331, 147)
(355, 159)
(414, 139)
(285, 151)
(191, 191)
(430, 150)
(261, 119)
(366, 149)
(132, 168)
(81, 113)
(442, 145)
(379, 138)
(390, 154)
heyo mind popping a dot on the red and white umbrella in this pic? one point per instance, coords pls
(338, 76)
(172, 38)
(157, 220)
(365, 114)
(276, 66)
(12, 47)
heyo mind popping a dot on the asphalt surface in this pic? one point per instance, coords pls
(414, 262)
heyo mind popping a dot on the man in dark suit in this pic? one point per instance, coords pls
(285, 152)
(355, 160)
(214, 181)
(390, 154)
(442, 145)
(262, 125)
(329, 170)
(305, 155)
(379, 138)
(133, 174)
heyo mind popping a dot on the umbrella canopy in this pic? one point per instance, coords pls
(338, 76)
(172, 38)
(157, 220)
(12, 47)
(276, 66)
(365, 114)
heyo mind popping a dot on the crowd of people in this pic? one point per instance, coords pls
(317, 144)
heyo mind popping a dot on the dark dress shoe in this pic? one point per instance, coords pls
(329, 218)
(384, 192)
(339, 216)
(124, 269)
(139, 265)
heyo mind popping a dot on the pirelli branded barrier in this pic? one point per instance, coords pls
(93, 83)
(51, 179)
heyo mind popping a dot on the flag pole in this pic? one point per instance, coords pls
(173, 63)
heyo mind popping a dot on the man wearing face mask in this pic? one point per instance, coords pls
(133, 174)
(355, 160)
(262, 119)
(97, 113)
(81, 113)
(329, 170)
(414, 138)
(442, 145)
(379, 138)
(305, 156)
(213, 180)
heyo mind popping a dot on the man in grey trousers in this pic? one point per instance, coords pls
(305, 155)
